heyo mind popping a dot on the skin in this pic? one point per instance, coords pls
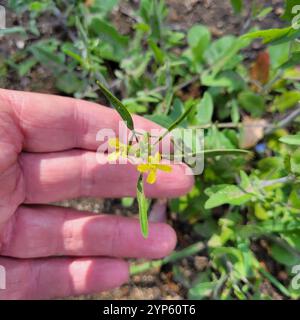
(48, 146)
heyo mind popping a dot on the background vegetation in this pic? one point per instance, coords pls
(239, 228)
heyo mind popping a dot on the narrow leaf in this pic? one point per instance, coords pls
(291, 140)
(180, 119)
(158, 53)
(287, 100)
(274, 36)
(119, 106)
(237, 5)
(293, 61)
(177, 122)
(143, 206)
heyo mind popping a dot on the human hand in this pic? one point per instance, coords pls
(48, 146)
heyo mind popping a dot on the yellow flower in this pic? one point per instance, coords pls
(154, 164)
(121, 149)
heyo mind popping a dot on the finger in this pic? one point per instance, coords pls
(52, 123)
(61, 277)
(53, 231)
(64, 175)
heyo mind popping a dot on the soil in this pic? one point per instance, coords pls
(218, 16)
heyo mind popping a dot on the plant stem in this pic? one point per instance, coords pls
(285, 122)
(269, 183)
(269, 128)
(189, 251)
(231, 125)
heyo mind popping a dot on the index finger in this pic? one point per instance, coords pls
(52, 123)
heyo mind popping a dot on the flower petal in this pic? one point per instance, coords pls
(143, 167)
(114, 143)
(164, 167)
(151, 179)
(155, 159)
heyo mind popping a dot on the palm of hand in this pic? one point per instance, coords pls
(47, 154)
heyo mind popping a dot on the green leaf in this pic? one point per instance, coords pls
(228, 79)
(279, 54)
(143, 206)
(153, 13)
(107, 32)
(46, 52)
(181, 118)
(271, 167)
(219, 49)
(202, 290)
(177, 122)
(291, 140)
(293, 238)
(206, 109)
(245, 180)
(272, 35)
(160, 119)
(37, 6)
(293, 34)
(81, 30)
(109, 36)
(283, 256)
(68, 83)
(127, 202)
(278, 226)
(121, 109)
(13, 30)
(295, 162)
(24, 67)
(234, 255)
(74, 55)
(176, 110)
(104, 6)
(294, 198)
(235, 112)
(198, 38)
(216, 139)
(133, 106)
(260, 212)
(293, 61)
(264, 12)
(251, 102)
(158, 53)
(223, 53)
(290, 10)
(287, 100)
(237, 5)
(226, 194)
